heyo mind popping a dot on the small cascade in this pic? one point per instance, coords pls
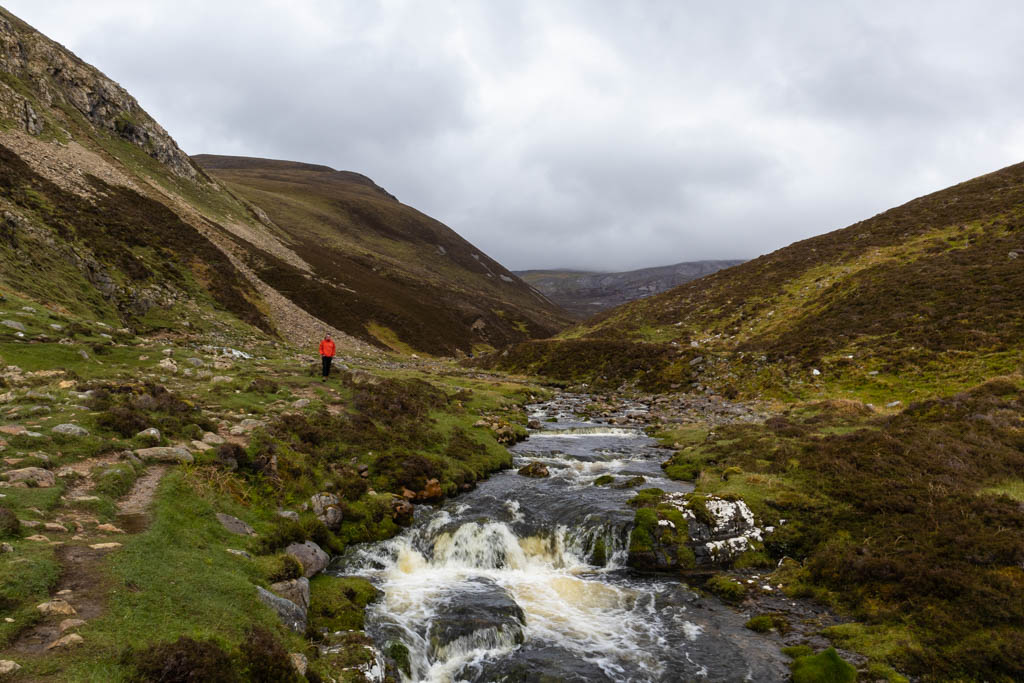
(524, 576)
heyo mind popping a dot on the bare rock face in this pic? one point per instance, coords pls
(55, 77)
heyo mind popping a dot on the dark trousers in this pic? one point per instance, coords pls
(327, 364)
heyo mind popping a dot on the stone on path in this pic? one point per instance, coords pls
(56, 607)
(235, 525)
(171, 454)
(290, 614)
(68, 624)
(69, 640)
(213, 439)
(311, 556)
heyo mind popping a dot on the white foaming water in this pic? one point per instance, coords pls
(572, 432)
(563, 597)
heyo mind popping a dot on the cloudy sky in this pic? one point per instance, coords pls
(591, 134)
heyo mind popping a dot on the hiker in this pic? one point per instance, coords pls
(326, 355)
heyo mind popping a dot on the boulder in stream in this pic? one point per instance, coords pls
(480, 614)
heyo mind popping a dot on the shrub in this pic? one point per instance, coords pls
(186, 660)
(763, 623)
(266, 659)
(825, 667)
(337, 603)
(10, 527)
(280, 567)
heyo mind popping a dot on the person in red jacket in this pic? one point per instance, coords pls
(326, 355)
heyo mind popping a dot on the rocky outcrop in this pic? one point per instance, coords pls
(52, 77)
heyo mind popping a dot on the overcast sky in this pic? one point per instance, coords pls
(591, 134)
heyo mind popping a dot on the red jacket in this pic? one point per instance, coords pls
(327, 348)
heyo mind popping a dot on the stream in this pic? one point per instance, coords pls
(525, 579)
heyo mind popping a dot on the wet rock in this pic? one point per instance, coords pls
(536, 470)
(311, 556)
(56, 607)
(720, 530)
(34, 476)
(172, 454)
(536, 665)
(290, 614)
(533, 424)
(296, 590)
(150, 434)
(481, 614)
(235, 525)
(402, 511)
(69, 429)
(69, 640)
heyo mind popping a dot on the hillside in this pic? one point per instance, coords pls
(381, 267)
(922, 298)
(104, 216)
(585, 293)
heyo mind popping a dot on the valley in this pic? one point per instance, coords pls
(806, 466)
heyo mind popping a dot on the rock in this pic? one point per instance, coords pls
(245, 426)
(55, 527)
(240, 553)
(168, 352)
(288, 514)
(6, 548)
(105, 546)
(533, 424)
(56, 607)
(893, 404)
(37, 476)
(13, 430)
(109, 528)
(311, 556)
(69, 640)
(296, 590)
(481, 614)
(235, 525)
(325, 507)
(220, 379)
(196, 362)
(151, 434)
(213, 439)
(171, 454)
(69, 429)
(301, 403)
(168, 364)
(13, 324)
(290, 614)
(815, 372)
(8, 667)
(38, 538)
(68, 624)
(536, 470)
(223, 364)
(402, 510)
(298, 660)
(1012, 255)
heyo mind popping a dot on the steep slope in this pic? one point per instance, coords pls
(380, 269)
(921, 298)
(585, 293)
(104, 217)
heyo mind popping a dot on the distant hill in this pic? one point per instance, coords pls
(103, 216)
(585, 293)
(922, 298)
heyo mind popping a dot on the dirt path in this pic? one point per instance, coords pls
(82, 589)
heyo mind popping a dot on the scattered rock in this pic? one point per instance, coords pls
(173, 454)
(325, 507)
(38, 538)
(219, 379)
(311, 556)
(240, 553)
(8, 667)
(288, 514)
(151, 434)
(55, 527)
(6, 548)
(196, 362)
(168, 364)
(290, 614)
(35, 476)
(13, 324)
(68, 624)
(109, 528)
(222, 364)
(235, 525)
(56, 607)
(296, 590)
(213, 439)
(301, 403)
(299, 662)
(536, 470)
(1012, 255)
(69, 429)
(105, 546)
(245, 426)
(893, 404)
(13, 430)
(69, 640)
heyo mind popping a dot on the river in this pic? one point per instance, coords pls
(525, 579)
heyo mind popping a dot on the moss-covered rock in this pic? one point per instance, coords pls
(337, 603)
(604, 480)
(824, 667)
(726, 587)
(659, 540)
